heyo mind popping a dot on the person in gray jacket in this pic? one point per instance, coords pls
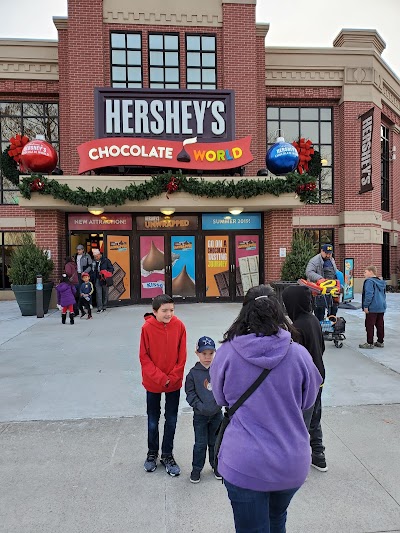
(322, 266)
(83, 263)
(207, 414)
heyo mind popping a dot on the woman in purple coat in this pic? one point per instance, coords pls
(265, 452)
(66, 298)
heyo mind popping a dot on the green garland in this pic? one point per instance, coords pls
(157, 185)
(9, 167)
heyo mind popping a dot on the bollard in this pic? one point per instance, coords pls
(39, 296)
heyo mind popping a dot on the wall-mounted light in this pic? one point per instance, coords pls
(392, 156)
(96, 209)
(167, 210)
(235, 210)
(324, 162)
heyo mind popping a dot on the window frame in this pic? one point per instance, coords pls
(21, 118)
(386, 255)
(385, 168)
(320, 241)
(170, 85)
(2, 254)
(299, 120)
(201, 67)
(126, 49)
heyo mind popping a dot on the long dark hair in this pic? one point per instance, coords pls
(69, 259)
(261, 314)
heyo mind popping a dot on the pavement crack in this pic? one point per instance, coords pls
(368, 470)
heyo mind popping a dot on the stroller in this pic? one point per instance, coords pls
(333, 327)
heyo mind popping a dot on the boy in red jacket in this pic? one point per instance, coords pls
(162, 356)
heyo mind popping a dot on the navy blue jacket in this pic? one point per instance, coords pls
(374, 295)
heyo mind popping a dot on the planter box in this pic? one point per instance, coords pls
(26, 297)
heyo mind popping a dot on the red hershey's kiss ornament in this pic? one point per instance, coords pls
(39, 156)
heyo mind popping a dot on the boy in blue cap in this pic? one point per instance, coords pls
(207, 414)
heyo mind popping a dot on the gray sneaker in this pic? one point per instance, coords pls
(366, 346)
(150, 463)
(379, 344)
(170, 465)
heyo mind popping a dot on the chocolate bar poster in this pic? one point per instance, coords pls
(348, 287)
(217, 265)
(247, 262)
(152, 266)
(183, 266)
(118, 252)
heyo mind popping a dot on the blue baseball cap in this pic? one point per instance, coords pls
(205, 343)
(327, 248)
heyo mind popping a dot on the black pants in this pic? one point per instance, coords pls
(205, 428)
(312, 419)
(153, 418)
(84, 304)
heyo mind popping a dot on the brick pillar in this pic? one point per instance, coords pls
(278, 233)
(85, 56)
(240, 70)
(50, 234)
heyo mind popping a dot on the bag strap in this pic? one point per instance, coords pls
(231, 411)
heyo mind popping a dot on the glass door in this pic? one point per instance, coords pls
(247, 261)
(218, 269)
(119, 253)
(152, 265)
(182, 271)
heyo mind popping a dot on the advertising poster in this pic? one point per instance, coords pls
(217, 265)
(118, 253)
(183, 260)
(348, 287)
(247, 263)
(152, 266)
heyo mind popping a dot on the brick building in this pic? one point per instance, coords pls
(319, 94)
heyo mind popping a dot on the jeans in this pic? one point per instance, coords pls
(101, 295)
(205, 428)
(373, 320)
(259, 512)
(312, 419)
(153, 418)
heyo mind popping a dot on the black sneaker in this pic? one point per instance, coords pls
(319, 462)
(83, 314)
(217, 474)
(195, 476)
(150, 463)
(170, 465)
(99, 310)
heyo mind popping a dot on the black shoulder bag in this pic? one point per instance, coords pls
(232, 410)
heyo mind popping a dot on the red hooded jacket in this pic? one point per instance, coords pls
(162, 354)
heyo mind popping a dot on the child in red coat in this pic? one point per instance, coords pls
(162, 355)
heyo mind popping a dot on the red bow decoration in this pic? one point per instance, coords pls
(305, 152)
(37, 185)
(172, 186)
(16, 145)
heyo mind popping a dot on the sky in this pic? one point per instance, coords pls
(292, 23)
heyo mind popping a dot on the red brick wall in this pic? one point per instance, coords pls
(50, 234)
(278, 232)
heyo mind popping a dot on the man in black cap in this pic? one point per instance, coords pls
(323, 266)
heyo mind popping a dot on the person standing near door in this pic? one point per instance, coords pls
(83, 263)
(101, 263)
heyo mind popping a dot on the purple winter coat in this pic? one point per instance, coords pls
(266, 446)
(65, 294)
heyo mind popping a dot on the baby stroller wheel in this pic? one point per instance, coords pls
(338, 344)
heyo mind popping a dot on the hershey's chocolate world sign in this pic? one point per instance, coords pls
(165, 114)
(367, 128)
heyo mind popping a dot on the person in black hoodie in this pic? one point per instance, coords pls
(207, 414)
(299, 307)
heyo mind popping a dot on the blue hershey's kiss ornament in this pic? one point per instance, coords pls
(282, 157)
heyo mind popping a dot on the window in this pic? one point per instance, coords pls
(8, 241)
(201, 67)
(126, 60)
(384, 168)
(314, 123)
(319, 236)
(164, 61)
(30, 119)
(386, 255)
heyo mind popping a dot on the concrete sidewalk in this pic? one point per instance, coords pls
(73, 432)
